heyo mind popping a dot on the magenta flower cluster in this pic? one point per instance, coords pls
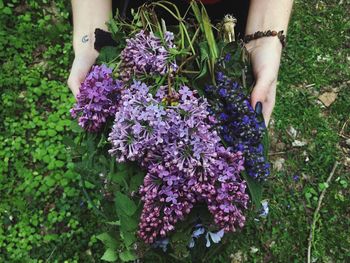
(184, 159)
(146, 54)
(98, 99)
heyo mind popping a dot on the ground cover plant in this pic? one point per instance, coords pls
(46, 211)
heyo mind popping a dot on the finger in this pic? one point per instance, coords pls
(76, 77)
(264, 92)
(74, 86)
(267, 112)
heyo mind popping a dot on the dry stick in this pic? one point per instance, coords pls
(343, 129)
(313, 225)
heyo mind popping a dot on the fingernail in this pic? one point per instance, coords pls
(258, 108)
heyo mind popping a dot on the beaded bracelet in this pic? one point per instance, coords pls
(268, 33)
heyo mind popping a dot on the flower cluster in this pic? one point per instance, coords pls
(238, 124)
(98, 98)
(138, 124)
(146, 54)
(184, 159)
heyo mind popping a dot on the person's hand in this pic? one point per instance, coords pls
(81, 66)
(265, 57)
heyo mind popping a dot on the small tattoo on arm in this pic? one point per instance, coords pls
(85, 39)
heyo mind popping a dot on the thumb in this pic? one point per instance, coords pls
(74, 85)
(80, 69)
(264, 92)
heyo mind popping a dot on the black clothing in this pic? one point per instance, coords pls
(237, 8)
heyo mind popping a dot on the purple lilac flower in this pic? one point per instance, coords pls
(213, 173)
(164, 204)
(183, 157)
(98, 99)
(225, 191)
(146, 54)
(138, 124)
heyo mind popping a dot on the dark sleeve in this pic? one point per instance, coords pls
(237, 8)
(102, 39)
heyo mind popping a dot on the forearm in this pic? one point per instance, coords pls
(87, 16)
(268, 15)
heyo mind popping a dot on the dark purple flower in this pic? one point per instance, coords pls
(239, 125)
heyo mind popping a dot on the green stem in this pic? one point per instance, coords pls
(98, 212)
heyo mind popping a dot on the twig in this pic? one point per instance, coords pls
(186, 61)
(314, 221)
(310, 85)
(47, 260)
(283, 152)
(343, 127)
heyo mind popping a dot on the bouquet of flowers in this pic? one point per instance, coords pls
(169, 136)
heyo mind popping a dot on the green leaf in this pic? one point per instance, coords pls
(127, 255)
(50, 181)
(128, 237)
(107, 54)
(255, 189)
(107, 240)
(124, 204)
(113, 26)
(51, 133)
(127, 223)
(209, 34)
(75, 127)
(110, 255)
(7, 11)
(89, 185)
(197, 13)
(266, 143)
(136, 181)
(119, 177)
(204, 54)
(103, 160)
(204, 51)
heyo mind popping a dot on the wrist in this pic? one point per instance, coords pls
(272, 42)
(83, 51)
(83, 43)
(86, 54)
(266, 34)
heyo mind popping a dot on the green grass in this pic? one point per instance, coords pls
(316, 60)
(43, 213)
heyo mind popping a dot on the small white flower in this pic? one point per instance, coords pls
(264, 208)
(215, 237)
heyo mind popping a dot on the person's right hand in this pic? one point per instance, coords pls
(81, 66)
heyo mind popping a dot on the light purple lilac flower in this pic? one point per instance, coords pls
(184, 159)
(138, 124)
(224, 191)
(98, 99)
(146, 54)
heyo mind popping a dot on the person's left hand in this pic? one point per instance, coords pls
(265, 57)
